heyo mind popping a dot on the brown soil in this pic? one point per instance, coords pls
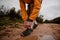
(42, 29)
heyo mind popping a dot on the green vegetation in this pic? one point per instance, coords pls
(10, 18)
(40, 19)
(55, 20)
(5, 21)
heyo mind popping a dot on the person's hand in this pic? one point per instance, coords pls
(27, 24)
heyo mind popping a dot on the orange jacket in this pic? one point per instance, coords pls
(35, 11)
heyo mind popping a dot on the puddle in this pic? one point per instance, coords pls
(46, 37)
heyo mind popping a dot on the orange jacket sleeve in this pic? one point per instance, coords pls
(36, 9)
(23, 10)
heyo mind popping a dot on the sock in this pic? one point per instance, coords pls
(34, 22)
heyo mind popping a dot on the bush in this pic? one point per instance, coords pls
(39, 20)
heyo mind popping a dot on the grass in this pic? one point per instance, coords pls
(7, 22)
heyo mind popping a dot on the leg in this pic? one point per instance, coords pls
(28, 31)
(30, 8)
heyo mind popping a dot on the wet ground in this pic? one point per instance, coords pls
(42, 32)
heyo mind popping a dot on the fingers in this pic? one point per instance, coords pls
(27, 24)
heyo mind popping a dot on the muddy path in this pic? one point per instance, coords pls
(42, 32)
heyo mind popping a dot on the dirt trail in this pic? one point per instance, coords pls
(42, 32)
